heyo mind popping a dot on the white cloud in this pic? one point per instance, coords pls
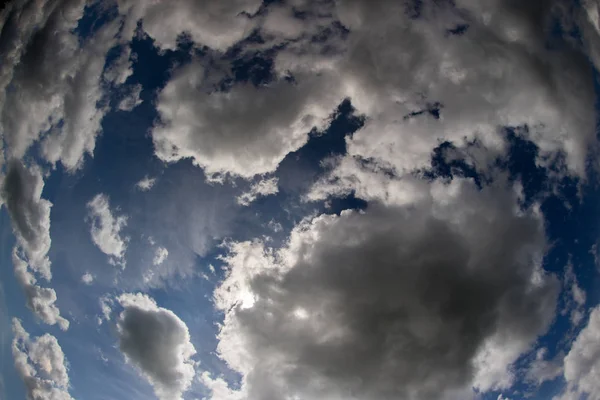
(245, 131)
(582, 364)
(41, 301)
(264, 187)
(105, 229)
(146, 183)
(575, 297)
(40, 363)
(132, 98)
(106, 302)
(541, 370)
(160, 255)
(87, 278)
(217, 24)
(55, 82)
(424, 300)
(157, 342)
(30, 214)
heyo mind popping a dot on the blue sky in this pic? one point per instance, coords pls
(299, 199)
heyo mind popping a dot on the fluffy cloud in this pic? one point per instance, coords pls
(582, 364)
(54, 79)
(39, 300)
(264, 187)
(216, 24)
(87, 278)
(157, 342)
(419, 85)
(105, 229)
(145, 183)
(30, 214)
(244, 131)
(160, 255)
(40, 363)
(421, 301)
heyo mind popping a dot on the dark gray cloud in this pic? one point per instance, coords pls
(417, 302)
(157, 342)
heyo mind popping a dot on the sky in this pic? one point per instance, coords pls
(300, 199)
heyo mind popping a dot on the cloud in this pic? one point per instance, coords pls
(41, 301)
(218, 25)
(420, 301)
(29, 213)
(244, 131)
(146, 183)
(576, 297)
(541, 370)
(131, 99)
(105, 229)
(30, 216)
(264, 187)
(55, 81)
(160, 255)
(582, 364)
(157, 342)
(40, 363)
(87, 278)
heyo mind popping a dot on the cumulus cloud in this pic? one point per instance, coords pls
(105, 229)
(216, 24)
(160, 255)
(41, 301)
(146, 183)
(30, 214)
(54, 79)
(40, 363)
(418, 85)
(264, 187)
(421, 301)
(582, 364)
(244, 131)
(157, 342)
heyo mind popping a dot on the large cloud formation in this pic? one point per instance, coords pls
(245, 131)
(40, 363)
(50, 80)
(441, 72)
(157, 342)
(421, 301)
